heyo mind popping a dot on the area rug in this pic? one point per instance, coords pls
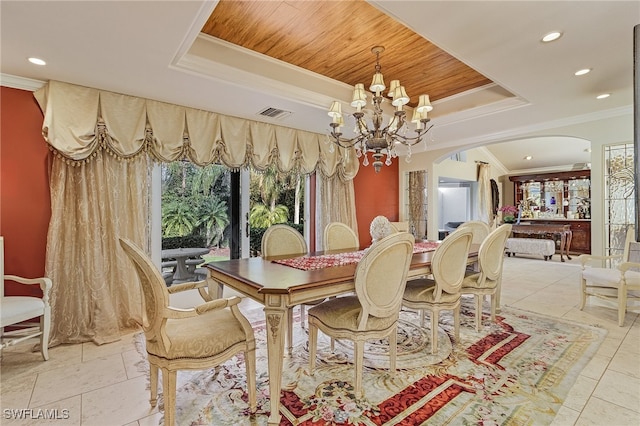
(517, 371)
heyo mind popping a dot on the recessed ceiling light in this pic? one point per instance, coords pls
(583, 71)
(587, 150)
(528, 157)
(603, 96)
(552, 36)
(37, 61)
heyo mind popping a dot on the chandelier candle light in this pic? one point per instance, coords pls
(380, 139)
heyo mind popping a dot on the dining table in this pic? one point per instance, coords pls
(279, 283)
(180, 255)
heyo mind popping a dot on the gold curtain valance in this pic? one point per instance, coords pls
(78, 121)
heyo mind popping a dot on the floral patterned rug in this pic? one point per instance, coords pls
(517, 371)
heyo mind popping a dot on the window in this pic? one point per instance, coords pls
(619, 195)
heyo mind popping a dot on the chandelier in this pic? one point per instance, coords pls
(380, 140)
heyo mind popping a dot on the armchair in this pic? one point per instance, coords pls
(188, 339)
(613, 283)
(15, 310)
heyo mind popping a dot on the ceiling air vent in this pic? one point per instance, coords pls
(581, 166)
(275, 113)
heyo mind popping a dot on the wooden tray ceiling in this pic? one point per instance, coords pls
(334, 39)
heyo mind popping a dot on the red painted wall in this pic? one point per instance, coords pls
(25, 207)
(376, 195)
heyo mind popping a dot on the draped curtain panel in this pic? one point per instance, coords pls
(485, 202)
(79, 121)
(418, 203)
(94, 297)
(338, 201)
(104, 144)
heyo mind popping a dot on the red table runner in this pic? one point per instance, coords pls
(309, 263)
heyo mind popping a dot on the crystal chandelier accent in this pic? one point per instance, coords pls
(380, 140)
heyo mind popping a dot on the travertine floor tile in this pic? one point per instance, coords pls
(92, 351)
(20, 359)
(598, 413)
(626, 362)
(17, 391)
(64, 382)
(580, 393)
(619, 388)
(117, 404)
(565, 417)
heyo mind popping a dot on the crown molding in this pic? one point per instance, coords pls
(23, 83)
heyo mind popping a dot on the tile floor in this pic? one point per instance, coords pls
(101, 385)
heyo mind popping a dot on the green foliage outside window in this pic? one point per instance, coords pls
(195, 204)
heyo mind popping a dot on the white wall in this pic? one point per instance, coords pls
(454, 204)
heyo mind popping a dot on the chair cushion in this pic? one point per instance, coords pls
(471, 281)
(15, 309)
(342, 313)
(201, 336)
(609, 277)
(422, 291)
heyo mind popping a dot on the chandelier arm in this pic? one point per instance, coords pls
(344, 142)
(410, 141)
(361, 125)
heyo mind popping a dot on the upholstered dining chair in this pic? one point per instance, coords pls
(479, 228)
(442, 292)
(16, 310)
(400, 226)
(372, 313)
(188, 339)
(487, 282)
(613, 283)
(338, 236)
(280, 242)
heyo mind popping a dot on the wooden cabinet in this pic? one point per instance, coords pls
(554, 195)
(580, 230)
(557, 198)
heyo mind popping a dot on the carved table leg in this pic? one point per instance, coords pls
(569, 238)
(276, 315)
(215, 288)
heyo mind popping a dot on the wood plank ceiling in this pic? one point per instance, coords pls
(334, 39)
